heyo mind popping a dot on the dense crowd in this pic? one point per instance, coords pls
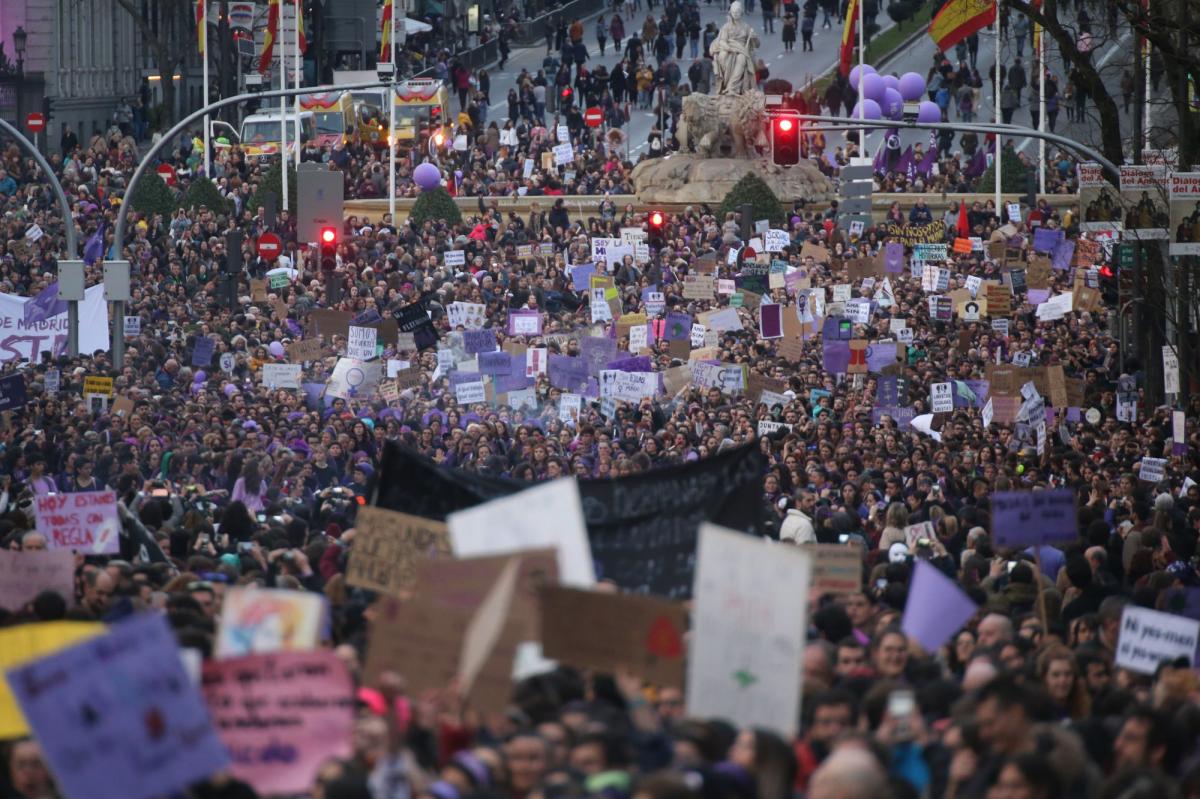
(239, 482)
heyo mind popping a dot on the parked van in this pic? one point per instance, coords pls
(333, 115)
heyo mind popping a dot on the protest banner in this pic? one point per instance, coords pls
(256, 621)
(304, 350)
(609, 632)
(1144, 201)
(387, 546)
(1148, 637)
(546, 515)
(93, 384)
(1033, 518)
(25, 335)
(1099, 203)
(836, 568)
(911, 235)
(936, 607)
(433, 643)
(1184, 197)
(24, 575)
(117, 717)
(281, 375)
(749, 622)
(1152, 470)
(360, 343)
(26, 642)
(281, 716)
(85, 522)
(642, 528)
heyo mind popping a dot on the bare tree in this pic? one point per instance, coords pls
(168, 28)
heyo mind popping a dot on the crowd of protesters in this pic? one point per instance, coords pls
(239, 483)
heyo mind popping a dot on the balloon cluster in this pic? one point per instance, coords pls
(884, 96)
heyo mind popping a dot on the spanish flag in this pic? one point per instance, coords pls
(385, 38)
(268, 51)
(849, 37)
(958, 19)
(300, 24)
(202, 24)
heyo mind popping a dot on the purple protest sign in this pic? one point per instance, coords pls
(203, 351)
(1044, 239)
(1062, 254)
(496, 363)
(836, 356)
(1037, 296)
(515, 380)
(117, 716)
(1033, 518)
(679, 327)
(902, 416)
(581, 275)
(596, 352)
(477, 341)
(525, 322)
(566, 372)
(638, 363)
(880, 356)
(936, 608)
(893, 258)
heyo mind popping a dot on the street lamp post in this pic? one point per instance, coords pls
(20, 41)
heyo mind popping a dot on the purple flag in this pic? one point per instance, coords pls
(928, 160)
(1032, 518)
(1045, 239)
(880, 356)
(1063, 252)
(93, 250)
(977, 165)
(936, 608)
(905, 164)
(836, 356)
(893, 258)
(46, 305)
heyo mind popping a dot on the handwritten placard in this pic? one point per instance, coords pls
(85, 522)
(281, 716)
(387, 546)
(1026, 518)
(608, 632)
(117, 717)
(265, 620)
(1149, 637)
(24, 575)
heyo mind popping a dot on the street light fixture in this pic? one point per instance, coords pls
(20, 39)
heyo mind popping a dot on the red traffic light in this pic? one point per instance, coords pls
(785, 125)
(1106, 271)
(328, 235)
(566, 92)
(656, 219)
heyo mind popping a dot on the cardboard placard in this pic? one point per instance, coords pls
(999, 300)
(608, 632)
(387, 546)
(837, 568)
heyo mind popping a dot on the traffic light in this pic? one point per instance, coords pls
(567, 96)
(328, 245)
(785, 139)
(655, 223)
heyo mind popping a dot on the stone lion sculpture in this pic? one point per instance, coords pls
(715, 125)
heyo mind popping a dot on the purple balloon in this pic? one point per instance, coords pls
(199, 377)
(871, 110)
(873, 87)
(912, 86)
(856, 71)
(891, 82)
(893, 104)
(276, 349)
(230, 389)
(427, 176)
(929, 112)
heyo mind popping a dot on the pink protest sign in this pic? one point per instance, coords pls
(281, 715)
(85, 522)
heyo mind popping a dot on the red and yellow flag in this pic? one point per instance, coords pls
(958, 19)
(849, 37)
(202, 24)
(300, 24)
(385, 39)
(268, 51)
